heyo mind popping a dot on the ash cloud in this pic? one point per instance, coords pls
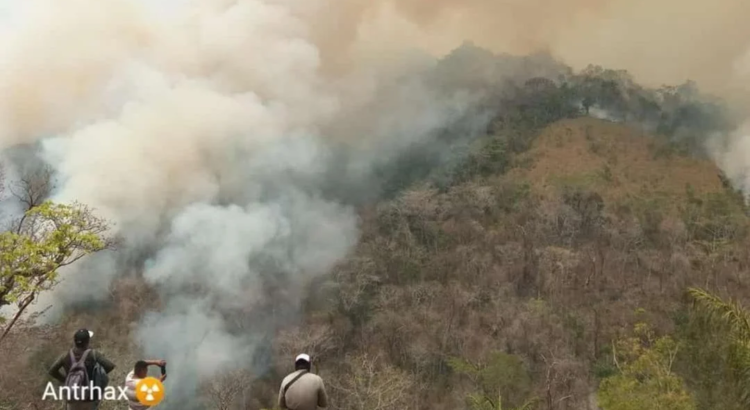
(228, 163)
(229, 141)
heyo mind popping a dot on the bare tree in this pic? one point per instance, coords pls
(371, 385)
(557, 381)
(33, 187)
(223, 392)
(46, 238)
(317, 341)
(31, 190)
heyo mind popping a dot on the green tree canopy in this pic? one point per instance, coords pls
(46, 238)
(645, 379)
(502, 382)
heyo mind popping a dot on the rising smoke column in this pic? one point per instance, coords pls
(206, 138)
(208, 156)
(204, 129)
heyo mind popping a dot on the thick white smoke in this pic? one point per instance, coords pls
(732, 155)
(225, 138)
(204, 130)
(732, 152)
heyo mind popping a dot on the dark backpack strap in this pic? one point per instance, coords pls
(302, 373)
(84, 355)
(73, 360)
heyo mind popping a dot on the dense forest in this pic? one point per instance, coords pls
(580, 251)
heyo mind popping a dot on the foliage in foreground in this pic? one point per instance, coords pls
(730, 321)
(47, 237)
(645, 379)
(500, 383)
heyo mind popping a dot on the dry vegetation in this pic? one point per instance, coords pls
(614, 160)
(507, 283)
(549, 273)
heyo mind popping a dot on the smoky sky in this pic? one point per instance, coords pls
(230, 142)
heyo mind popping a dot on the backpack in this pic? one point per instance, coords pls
(100, 377)
(77, 378)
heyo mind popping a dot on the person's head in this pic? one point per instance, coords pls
(140, 369)
(82, 337)
(302, 362)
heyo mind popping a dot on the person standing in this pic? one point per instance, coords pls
(90, 357)
(302, 390)
(140, 371)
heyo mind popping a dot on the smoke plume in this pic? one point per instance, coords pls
(229, 140)
(229, 164)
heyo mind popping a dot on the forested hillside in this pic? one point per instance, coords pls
(544, 263)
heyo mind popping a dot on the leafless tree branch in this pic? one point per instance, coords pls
(224, 391)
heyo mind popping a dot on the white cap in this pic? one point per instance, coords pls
(302, 357)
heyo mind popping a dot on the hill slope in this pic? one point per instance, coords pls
(615, 160)
(530, 274)
(549, 263)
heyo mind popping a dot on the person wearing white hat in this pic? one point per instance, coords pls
(302, 390)
(90, 357)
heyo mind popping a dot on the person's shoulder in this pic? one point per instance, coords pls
(290, 376)
(98, 355)
(62, 357)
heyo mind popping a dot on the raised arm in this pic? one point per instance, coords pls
(156, 362)
(160, 363)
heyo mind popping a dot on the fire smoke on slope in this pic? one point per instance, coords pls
(207, 132)
(215, 146)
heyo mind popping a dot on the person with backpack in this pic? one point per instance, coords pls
(302, 390)
(84, 367)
